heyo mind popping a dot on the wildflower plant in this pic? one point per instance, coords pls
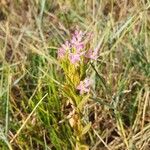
(74, 56)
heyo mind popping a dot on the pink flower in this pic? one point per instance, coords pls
(79, 47)
(76, 40)
(63, 49)
(92, 54)
(74, 58)
(61, 53)
(78, 35)
(66, 46)
(84, 86)
(75, 49)
(87, 82)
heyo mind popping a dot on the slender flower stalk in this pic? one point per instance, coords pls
(74, 57)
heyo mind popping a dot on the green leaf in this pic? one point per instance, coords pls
(86, 129)
(83, 101)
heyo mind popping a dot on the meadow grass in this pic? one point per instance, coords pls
(34, 113)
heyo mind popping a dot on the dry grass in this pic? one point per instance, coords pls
(32, 112)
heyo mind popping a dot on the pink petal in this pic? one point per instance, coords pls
(87, 82)
(74, 58)
(66, 45)
(61, 52)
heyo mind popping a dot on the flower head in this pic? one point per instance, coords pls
(74, 49)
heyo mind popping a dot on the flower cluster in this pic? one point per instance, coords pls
(76, 53)
(75, 49)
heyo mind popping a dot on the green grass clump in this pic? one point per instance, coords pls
(33, 112)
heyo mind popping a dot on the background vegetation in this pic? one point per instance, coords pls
(33, 115)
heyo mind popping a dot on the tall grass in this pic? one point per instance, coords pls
(34, 113)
